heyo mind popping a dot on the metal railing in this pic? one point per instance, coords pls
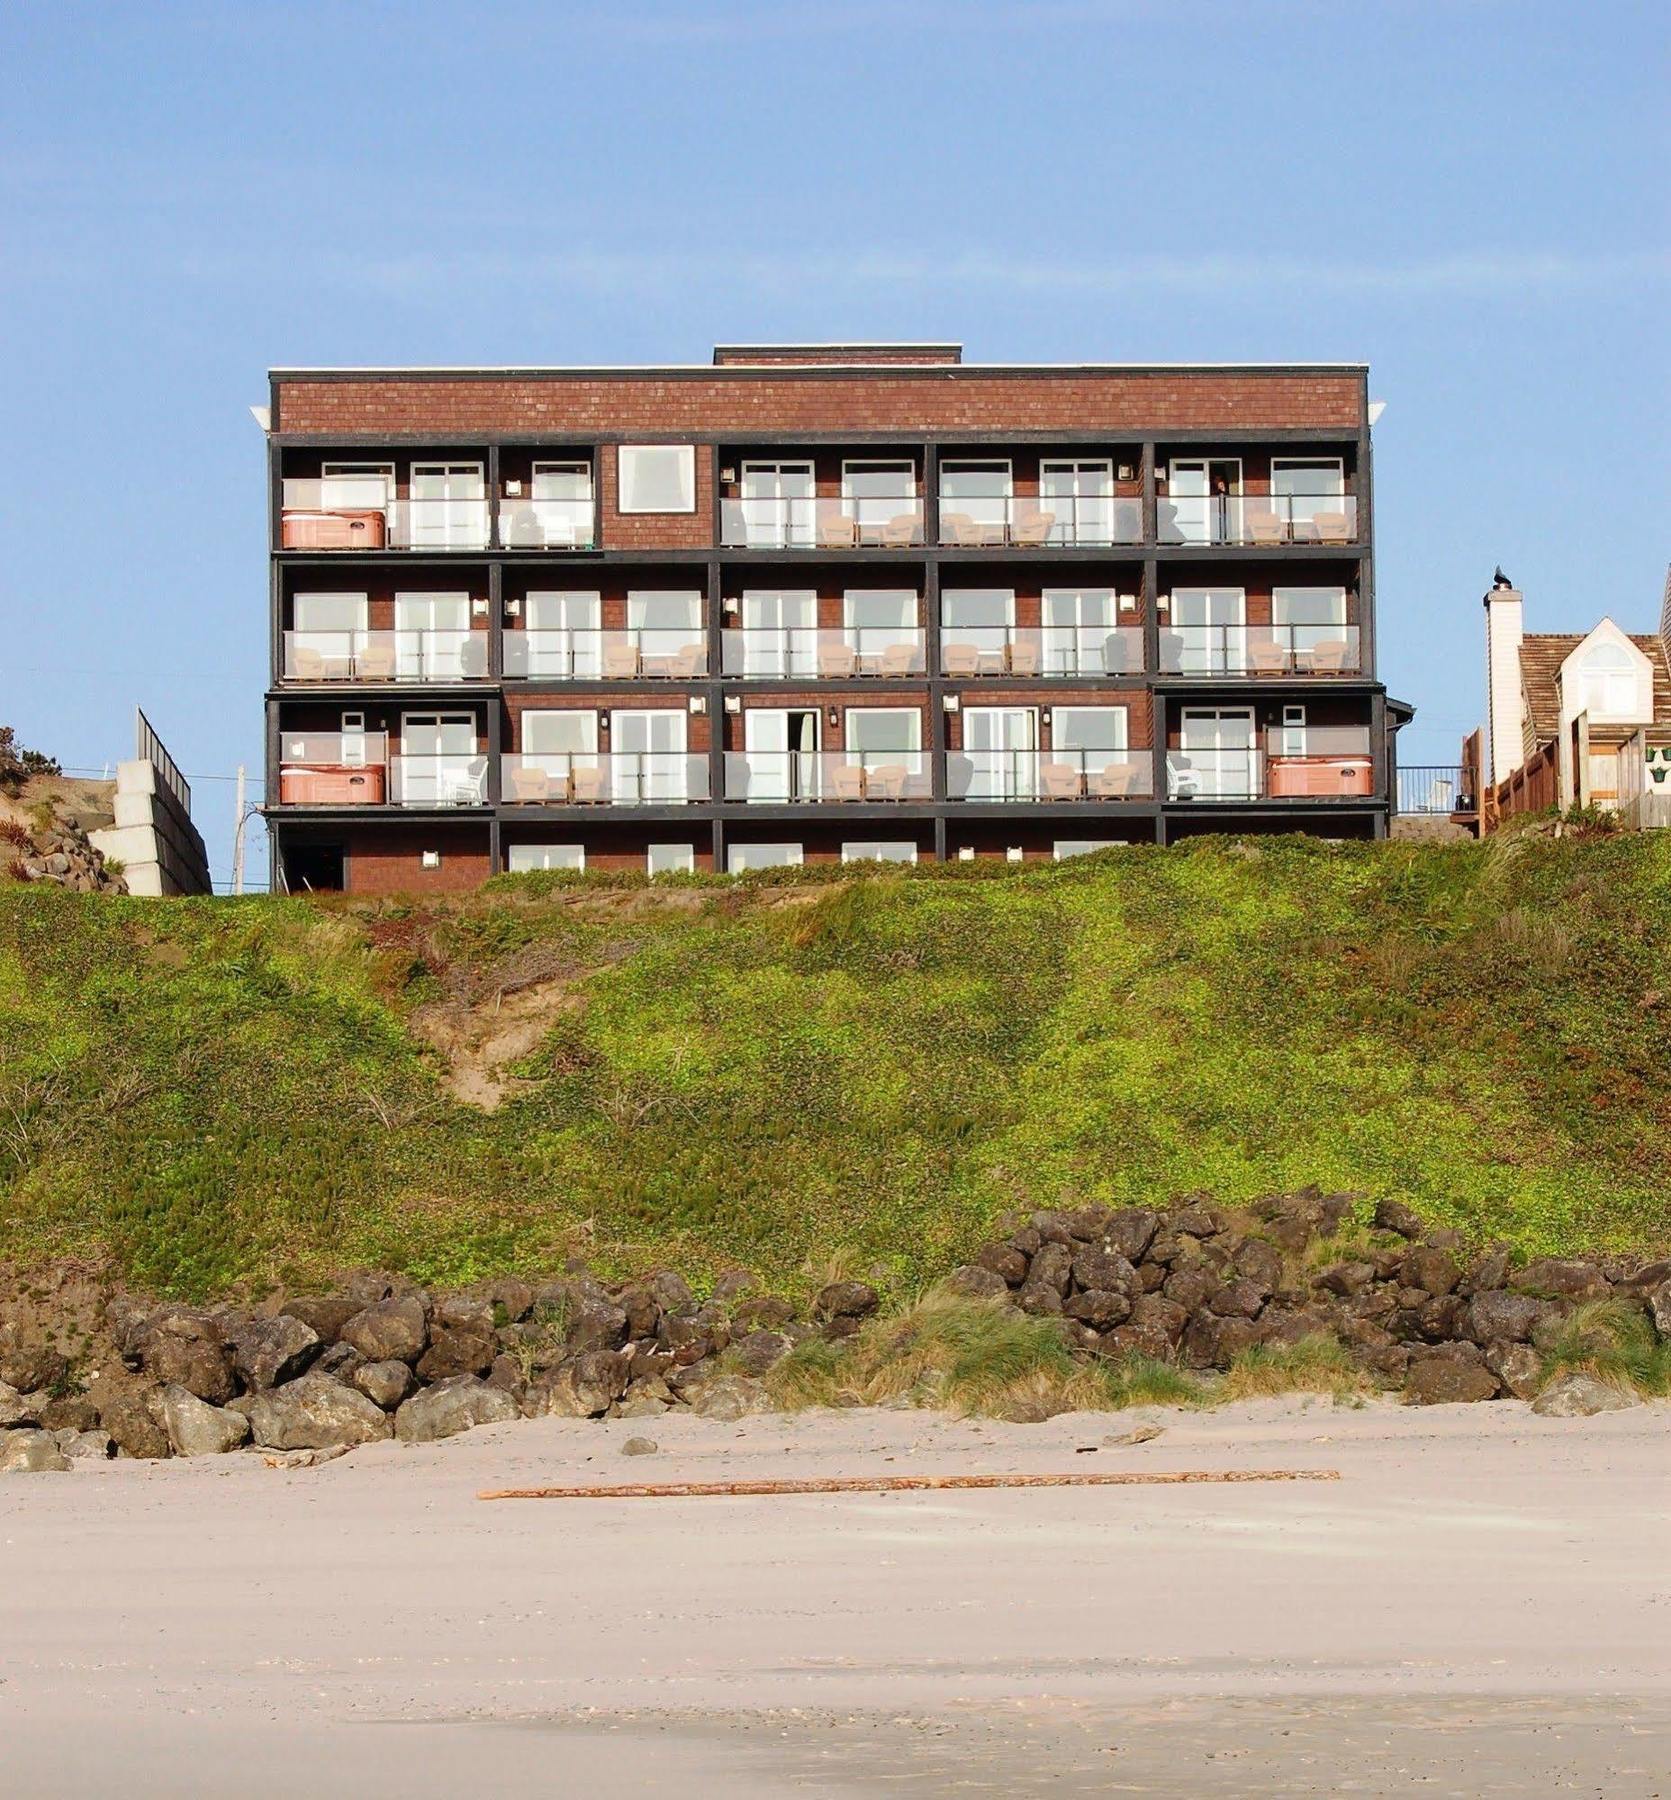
(423, 654)
(1256, 519)
(525, 523)
(1047, 650)
(1260, 650)
(788, 777)
(1293, 762)
(441, 778)
(1027, 521)
(1059, 774)
(603, 778)
(835, 654)
(1433, 790)
(148, 747)
(359, 513)
(560, 654)
(809, 522)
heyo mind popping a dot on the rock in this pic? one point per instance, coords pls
(1097, 1269)
(1517, 1366)
(186, 1350)
(313, 1412)
(1659, 1308)
(581, 1388)
(458, 1352)
(1189, 1286)
(642, 1309)
(688, 1339)
(1395, 1216)
(457, 1404)
(70, 1412)
(1495, 1313)
(846, 1300)
(30, 1452)
(1237, 1300)
(1346, 1278)
(728, 1398)
(386, 1331)
(1448, 1380)
(732, 1285)
(767, 1310)
(1579, 1396)
(639, 1405)
(1003, 1261)
(384, 1384)
(1040, 1300)
(1085, 1223)
(640, 1446)
(464, 1312)
(268, 1351)
(974, 1281)
(1259, 1262)
(86, 1446)
(1051, 1228)
(1564, 1278)
(672, 1292)
(194, 1427)
(16, 1408)
(1197, 1221)
(1442, 1318)
(128, 1418)
(339, 1361)
(27, 1362)
(1433, 1271)
(1051, 1267)
(1210, 1342)
(1289, 1325)
(1100, 1308)
(759, 1351)
(597, 1323)
(1490, 1270)
(323, 1314)
(1130, 1231)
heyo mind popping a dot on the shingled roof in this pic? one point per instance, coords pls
(1541, 656)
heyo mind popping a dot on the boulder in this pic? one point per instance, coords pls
(1189, 1286)
(339, 1361)
(18, 1409)
(1085, 1223)
(1579, 1396)
(85, 1446)
(27, 1361)
(186, 1349)
(672, 1292)
(323, 1314)
(1562, 1277)
(313, 1412)
(768, 1310)
(581, 1388)
(70, 1412)
(128, 1417)
(1433, 1271)
(1346, 1278)
(728, 1398)
(1196, 1220)
(1239, 1299)
(386, 1331)
(1442, 1318)
(266, 1351)
(732, 1285)
(1448, 1380)
(1100, 1308)
(506, 1375)
(1517, 1366)
(1259, 1262)
(1496, 1314)
(1101, 1269)
(640, 1446)
(642, 1309)
(759, 1351)
(464, 1312)
(194, 1427)
(1395, 1216)
(458, 1352)
(1040, 1299)
(457, 1404)
(1210, 1342)
(1004, 1261)
(1051, 1228)
(846, 1300)
(31, 1452)
(384, 1384)
(1489, 1271)
(1659, 1308)
(687, 1339)
(644, 1401)
(975, 1281)
(1130, 1231)
(1051, 1267)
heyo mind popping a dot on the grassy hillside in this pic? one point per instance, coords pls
(714, 1072)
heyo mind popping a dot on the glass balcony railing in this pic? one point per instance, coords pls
(1259, 650)
(807, 522)
(1056, 521)
(1290, 762)
(1050, 650)
(1256, 519)
(436, 655)
(353, 513)
(1061, 773)
(774, 652)
(442, 778)
(546, 524)
(603, 778)
(333, 768)
(559, 654)
(793, 777)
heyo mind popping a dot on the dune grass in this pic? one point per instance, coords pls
(1318, 1364)
(1614, 1341)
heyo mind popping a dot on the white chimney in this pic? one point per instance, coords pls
(1503, 632)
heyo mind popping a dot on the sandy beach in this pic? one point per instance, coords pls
(1480, 1606)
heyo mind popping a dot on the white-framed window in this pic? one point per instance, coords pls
(1203, 501)
(657, 478)
(647, 755)
(780, 635)
(1090, 737)
(1080, 492)
(560, 635)
(893, 850)
(739, 858)
(1304, 486)
(779, 504)
(1608, 682)
(561, 510)
(1293, 736)
(520, 858)
(330, 612)
(1304, 617)
(876, 490)
(447, 508)
(670, 859)
(439, 762)
(981, 617)
(1078, 626)
(356, 486)
(881, 734)
(432, 638)
(977, 487)
(1209, 625)
(561, 733)
(1001, 751)
(1063, 848)
(664, 623)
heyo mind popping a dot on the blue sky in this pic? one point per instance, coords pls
(1469, 194)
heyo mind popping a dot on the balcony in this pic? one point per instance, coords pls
(798, 777)
(1055, 522)
(1029, 650)
(428, 654)
(441, 778)
(331, 768)
(604, 778)
(561, 654)
(358, 513)
(1242, 650)
(805, 522)
(778, 652)
(1329, 762)
(1257, 519)
(543, 523)
(1036, 776)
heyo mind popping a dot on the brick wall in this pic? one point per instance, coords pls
(386, 859)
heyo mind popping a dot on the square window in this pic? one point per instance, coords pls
(657, 478)
(741, 857)
(896, 850)
(520, 858)
(666, 859)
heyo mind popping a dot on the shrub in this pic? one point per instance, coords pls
(1615, 1341)
(1318, 1364)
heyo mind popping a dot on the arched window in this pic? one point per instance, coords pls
(1608, 681)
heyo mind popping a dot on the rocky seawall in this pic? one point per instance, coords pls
(84, 1373)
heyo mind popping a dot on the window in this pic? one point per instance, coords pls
(1305, 617)
(647, 756)
(1208, 636)
(356, 487)
(1081, 496)
(885, 737)
(439, 763)
(448, 508)
(1203, 502)
(330, 641)
(741, 857)
(670, 859)
(875, 493)
(523, 857)
(559, 514)
(330, 612)
(884, 850)
(1303, 486)
(1079, 633)
(1088, 738)
(977, 618)
(657, 478)
(979, 491)
(779, 504)
(1293, 731)
(1066, 847)
(560, 636)
(432, 638)
(780, 631)
(1608, 685)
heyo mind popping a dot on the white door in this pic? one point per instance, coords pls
(439, 764)
(647, 755)
(780, 635)
(559, 742)
(1077, 622)
(1002, 742)
(1304, 617)
(1205, 494)
(562, 495)
(1081, 495)
(980, 491)
(432, 637)
(782, 753)
(562, 635)
(875, 493)
(778, 504)
(1088, 738)
(877, 619)
(330, 633)
(1210, 624)
(664, 624)
(880, 737)
(448, 507)
(1303, 486)
(1221, 753)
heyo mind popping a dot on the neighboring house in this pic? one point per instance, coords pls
(814, 603)
(1576, 719)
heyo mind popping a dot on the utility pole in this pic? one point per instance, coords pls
(238, 839)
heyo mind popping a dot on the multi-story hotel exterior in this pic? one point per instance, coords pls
(814, 602)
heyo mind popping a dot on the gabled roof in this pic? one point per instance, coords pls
(1541, 656)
